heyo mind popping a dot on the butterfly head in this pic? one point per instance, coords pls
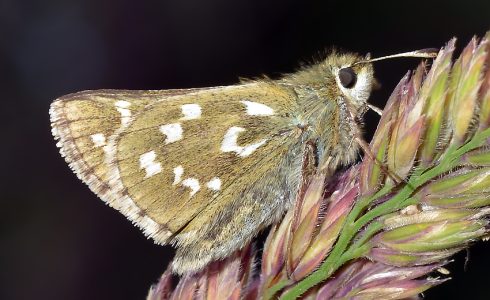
(353, 74)
(353, 80)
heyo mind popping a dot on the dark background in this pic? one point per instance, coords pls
(57, 240)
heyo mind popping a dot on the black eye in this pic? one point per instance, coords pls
(347, 77)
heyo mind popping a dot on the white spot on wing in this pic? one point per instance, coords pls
(249, 149)
(178, 172)
(98, 139)
(173, 132)
(147, 162)
(191, 111)
(122, 104)
(214, 184)
(258, 109)
(193, 184)
(229, 143)
(122, 108)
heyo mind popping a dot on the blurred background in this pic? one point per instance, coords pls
(57, 239)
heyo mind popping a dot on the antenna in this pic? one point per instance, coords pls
(423, 53)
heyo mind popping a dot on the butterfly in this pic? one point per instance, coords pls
(206, 169)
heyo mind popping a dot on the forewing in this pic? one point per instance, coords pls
(178, 156)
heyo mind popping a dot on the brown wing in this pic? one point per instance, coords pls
(83, 122)
(177, 164)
